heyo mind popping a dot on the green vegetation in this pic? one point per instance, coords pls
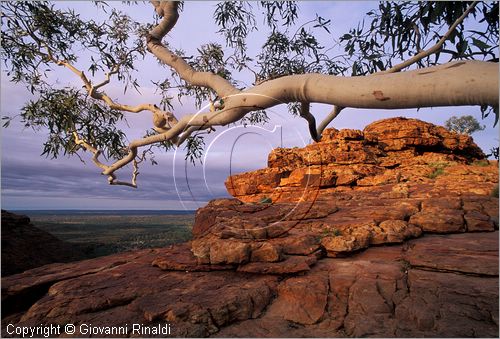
(481, 163)
(266, 200)
(107, 51)
(437, 172)
(494, 192)
(438, 169)
(331, 232)
(110, 233)
(466, 124)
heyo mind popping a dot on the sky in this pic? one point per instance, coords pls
(31, 181)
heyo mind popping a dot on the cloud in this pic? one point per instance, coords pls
(33, 182)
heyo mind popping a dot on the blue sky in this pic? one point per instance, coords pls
(31, 181)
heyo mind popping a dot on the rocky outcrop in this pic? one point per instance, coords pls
(438, 285)
(395, 234)
(24, 246)
(397, 179)
(389, 151)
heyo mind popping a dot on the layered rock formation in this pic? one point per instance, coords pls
(308, 254)
(24, 246)
(389, 151)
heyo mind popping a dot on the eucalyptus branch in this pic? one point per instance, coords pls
(434, 49)
(186, 134)
(161, 119)
(95, 152)
(418, 37)
(328, 119)
(168, 10)
(419, 56)
(311, 121)
(107, 79)
(455, 83)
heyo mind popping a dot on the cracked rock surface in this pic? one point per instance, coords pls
(387, 232)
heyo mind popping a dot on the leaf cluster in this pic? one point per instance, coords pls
(396, 31)
(466, 124)
(194, 148)
(35, 35)
(66, 111)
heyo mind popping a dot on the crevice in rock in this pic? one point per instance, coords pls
(109, 304)
(441, 270)
(327, 304)
(22, 301)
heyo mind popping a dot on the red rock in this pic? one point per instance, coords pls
(445, 221)
(229, 252)
(262, 181)
(301, 245)
(292, 264)
(387, 152)
(478, 253)
(132, 291)
(303, 264)
(25, 246)
(302, 299)
(205, 217)
(266, 252)
(180, 258)
(379, 293)
(402, 133)
(394, 231)
(476, 221)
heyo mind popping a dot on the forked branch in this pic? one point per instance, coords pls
(456, 83)
(434, 49)
(416, 58)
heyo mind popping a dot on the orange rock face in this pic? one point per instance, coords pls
(389, 151)
(309, 260)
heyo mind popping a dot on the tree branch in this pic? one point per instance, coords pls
(311, 121)
(434, 49)
(329, 118)
(419, 56)
(169, 11)
(457, 83)
(161, 119)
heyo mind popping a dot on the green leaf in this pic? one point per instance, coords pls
(480, 44)
(346, 36)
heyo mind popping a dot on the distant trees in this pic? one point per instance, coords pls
(466, 124)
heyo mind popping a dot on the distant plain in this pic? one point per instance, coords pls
(107, 232)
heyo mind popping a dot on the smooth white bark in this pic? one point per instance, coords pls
(452, 84)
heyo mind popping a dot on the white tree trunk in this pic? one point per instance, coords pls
(452, 84)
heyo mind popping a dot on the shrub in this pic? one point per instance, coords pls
(494, 192)
(481, 163)
(265, 200)
(438, 169)
(331, 232)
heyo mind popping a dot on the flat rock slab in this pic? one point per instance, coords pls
(180, 258)
(293, 264)
(126, 289)
(474, 253)
(378, 293)
(437, 285)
